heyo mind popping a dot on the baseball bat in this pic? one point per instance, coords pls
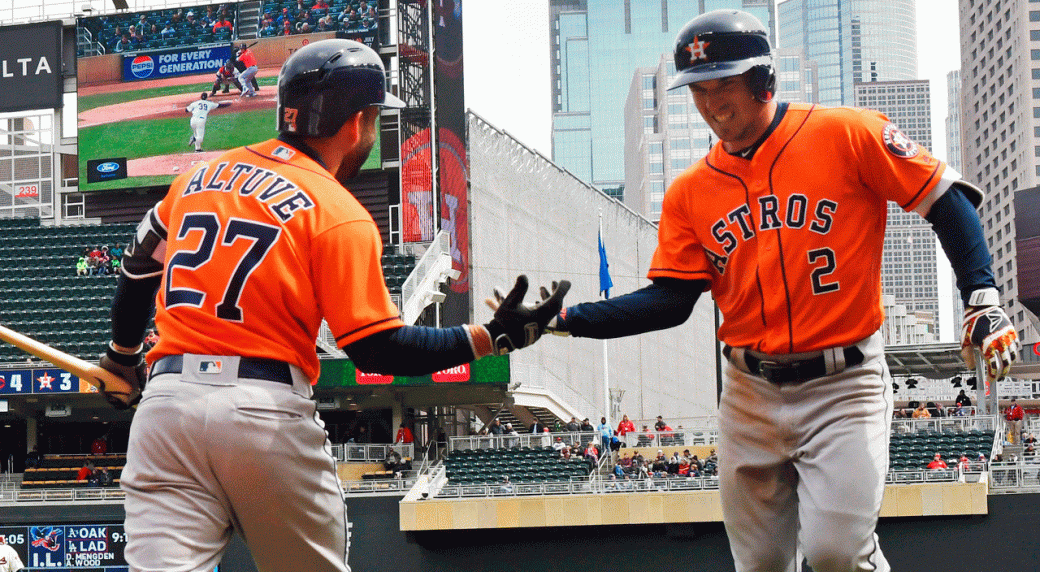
(93, 374)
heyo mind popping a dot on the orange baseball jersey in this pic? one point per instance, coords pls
(247, 58)
(262, 243)
(792, 248)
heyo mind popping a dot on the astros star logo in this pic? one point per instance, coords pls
(45, 381)
(698, 49)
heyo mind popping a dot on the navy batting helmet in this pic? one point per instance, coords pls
(725, 43)
(325, 83)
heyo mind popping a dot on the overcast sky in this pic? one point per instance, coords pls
(507, 64)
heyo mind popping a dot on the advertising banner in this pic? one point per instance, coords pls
(30, 67)
(189, 60)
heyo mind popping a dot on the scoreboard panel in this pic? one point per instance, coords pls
(68, 547)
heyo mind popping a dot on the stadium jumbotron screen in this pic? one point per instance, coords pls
(139, 72)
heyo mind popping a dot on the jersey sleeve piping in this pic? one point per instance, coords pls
(684, 274)
(353, 333)
(907, 205)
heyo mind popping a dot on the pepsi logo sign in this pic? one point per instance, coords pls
(142, 66)
(108, 167)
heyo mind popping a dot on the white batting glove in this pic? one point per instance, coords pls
(988, 329)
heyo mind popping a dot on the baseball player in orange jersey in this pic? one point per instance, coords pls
(247, 254)
(784, 223)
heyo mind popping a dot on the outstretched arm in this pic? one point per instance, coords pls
(666, 303)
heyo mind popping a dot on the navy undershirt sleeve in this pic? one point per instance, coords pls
(411, 350)
(666, 303)
(132, 307)
(957, 225)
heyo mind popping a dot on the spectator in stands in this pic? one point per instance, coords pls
(392, 461)
(660, 425)
(626, 462)
(192, 23)
(586, 426)
(963, 399)
(123, 45)
(937, 463)
(660, 463)
(1030, 440)
(606, 433)
(960, 411)
(404, 435)
(268, 30)
(1014, 415)
(921, 412)
(320, 5)
(287, 29)
(210, 17)
(85, 471)
(558, 445)
(81, 266)
(284, 17)
(142, 25)
(325, 24)
(512, 437)
(557, 426)
(177, 17)
(506, 486)
(99, 446)
(221, 24)
(104, 478)
(1030, 451)
(167, 31)
(573, 426)
(618, 471)
(344, 16)
(964, 464)
(625, 426)
(934, 409)
(537, 428)
(646, 437)
(565, 453)
(496, 428)
(591, 454)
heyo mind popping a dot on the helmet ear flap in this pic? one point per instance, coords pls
(762, 81)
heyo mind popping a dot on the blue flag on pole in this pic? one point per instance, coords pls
(605, 283)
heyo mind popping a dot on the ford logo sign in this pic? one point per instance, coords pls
(108, 167)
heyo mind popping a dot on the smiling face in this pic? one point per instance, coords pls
(732, 111)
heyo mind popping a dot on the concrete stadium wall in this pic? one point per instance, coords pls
(528, 216)
(920, 544)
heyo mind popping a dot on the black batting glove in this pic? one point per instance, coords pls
(516, 325)
(130, 367)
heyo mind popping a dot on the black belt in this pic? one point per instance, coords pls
(249, 368)
(794, 371)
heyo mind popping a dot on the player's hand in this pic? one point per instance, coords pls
(558, 324)
(516, 325)
(988, 329)
(130, 367)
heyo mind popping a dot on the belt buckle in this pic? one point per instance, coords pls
(767, 368)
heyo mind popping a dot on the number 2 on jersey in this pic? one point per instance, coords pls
(263, 237)
(818, 287)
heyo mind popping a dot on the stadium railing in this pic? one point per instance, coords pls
(1015, 477)
(523, 440)
(370, 453)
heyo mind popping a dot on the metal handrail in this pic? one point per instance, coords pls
(370, 452)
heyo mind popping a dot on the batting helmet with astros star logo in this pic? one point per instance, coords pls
(725, 43)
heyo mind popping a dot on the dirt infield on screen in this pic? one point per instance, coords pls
(146, 122)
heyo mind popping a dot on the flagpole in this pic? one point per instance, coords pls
(606, 369)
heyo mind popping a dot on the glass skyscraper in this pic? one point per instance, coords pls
(851, 41)
(597, 45)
